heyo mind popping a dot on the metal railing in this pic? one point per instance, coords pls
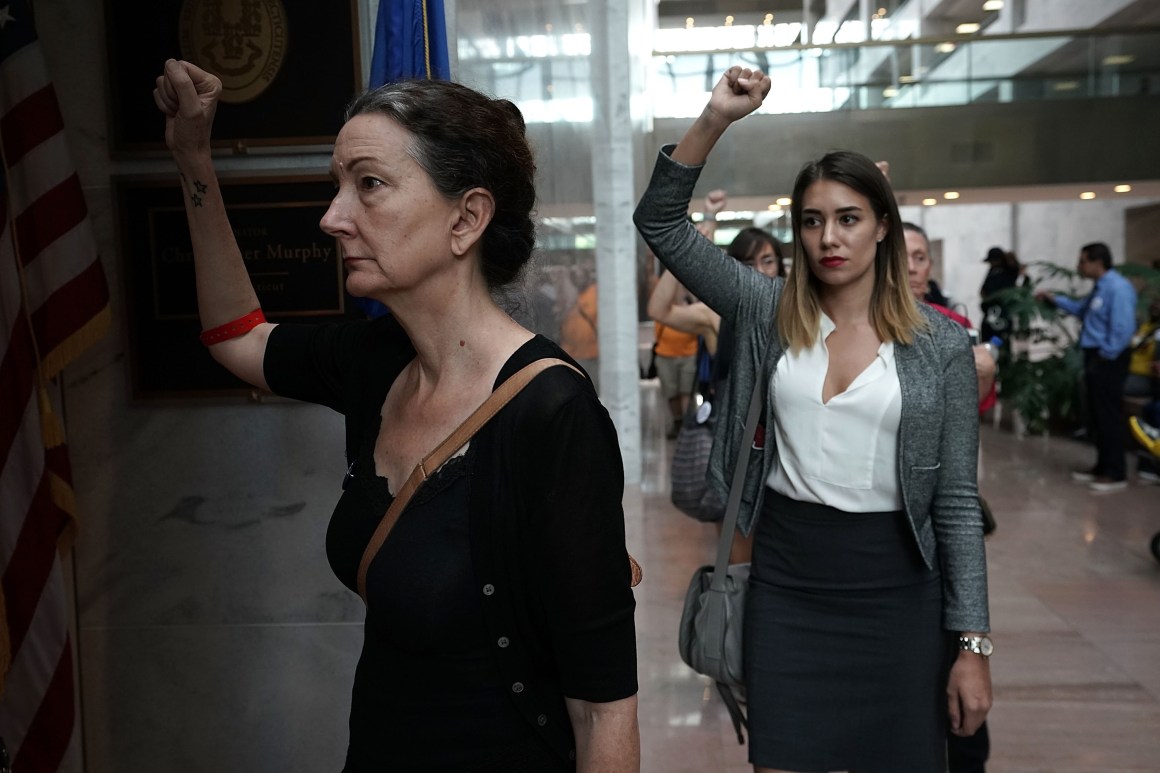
(924, 72)
(551, 82)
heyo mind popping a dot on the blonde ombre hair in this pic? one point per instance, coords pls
(893, 311)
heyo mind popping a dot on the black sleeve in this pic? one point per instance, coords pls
(581, 555)
(332, 364)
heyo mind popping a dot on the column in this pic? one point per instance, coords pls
(614, 197)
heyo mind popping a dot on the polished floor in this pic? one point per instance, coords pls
(1075, 609)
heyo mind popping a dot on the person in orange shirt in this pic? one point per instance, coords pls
(676, 368)
(676, 350)
(578, 329)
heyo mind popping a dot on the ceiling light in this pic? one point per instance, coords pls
(1117, 59)
(1125, 188)
(774, 208)
(967, 28)
(929, 202)
(1087, 195)
(728, 21)
(881, 11)
(784, 201)
(907, 78)
(889, 92)
(945, 47)
(768, 19)
(1065, 86)
(951, 195)
(993, 5)
(689, 23)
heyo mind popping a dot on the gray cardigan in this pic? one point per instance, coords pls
(938, 433)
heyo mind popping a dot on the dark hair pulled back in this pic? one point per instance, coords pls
(465, 139)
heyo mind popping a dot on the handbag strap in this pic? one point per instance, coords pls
(452, 443)
(733, 505)
(696, 390)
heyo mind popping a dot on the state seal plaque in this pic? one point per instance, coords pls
(288, 68)
(243, 42)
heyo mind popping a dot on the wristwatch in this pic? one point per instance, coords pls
(980, 645)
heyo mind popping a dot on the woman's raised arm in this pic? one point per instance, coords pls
(696, 318)
(188, 97)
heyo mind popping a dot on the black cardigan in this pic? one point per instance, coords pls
(545, 478)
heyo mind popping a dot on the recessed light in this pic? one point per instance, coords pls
(889, 92)
(689, 23)
(774, 208)
(967, 28)
(945, 47)
(993, 5)
(728, 21)
(1065, 86)
(1116, 59)
(929, 202)
(951, 195)
(784, 201)
(1125, 188)
(1087, 195)
(907, 78)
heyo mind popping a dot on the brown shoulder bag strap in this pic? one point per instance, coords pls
(456, 440)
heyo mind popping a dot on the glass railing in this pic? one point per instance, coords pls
(549, 78)
(926, 72)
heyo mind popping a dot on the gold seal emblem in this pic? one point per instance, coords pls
(243, 42)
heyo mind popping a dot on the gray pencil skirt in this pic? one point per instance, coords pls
(846, 658)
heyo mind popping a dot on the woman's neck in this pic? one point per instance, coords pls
(461, 341)
(846, 305)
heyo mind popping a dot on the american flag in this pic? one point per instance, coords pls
(54, 302)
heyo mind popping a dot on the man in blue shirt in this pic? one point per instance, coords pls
(1109, 322)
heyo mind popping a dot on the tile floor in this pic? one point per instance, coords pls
(1075, 607)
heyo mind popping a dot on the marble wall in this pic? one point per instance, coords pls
(210, 633)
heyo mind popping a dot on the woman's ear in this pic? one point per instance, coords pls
(883, 229)
(472, 216)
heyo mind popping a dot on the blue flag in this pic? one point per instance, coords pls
(410, 42)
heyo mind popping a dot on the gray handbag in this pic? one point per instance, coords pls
(710, 638)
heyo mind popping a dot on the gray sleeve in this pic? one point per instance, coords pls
(661, 217)
(956, 515)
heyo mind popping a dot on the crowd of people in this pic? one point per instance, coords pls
(499, 631)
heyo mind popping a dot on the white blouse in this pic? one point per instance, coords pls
(843, 453)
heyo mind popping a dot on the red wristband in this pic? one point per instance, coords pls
(239, 326)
